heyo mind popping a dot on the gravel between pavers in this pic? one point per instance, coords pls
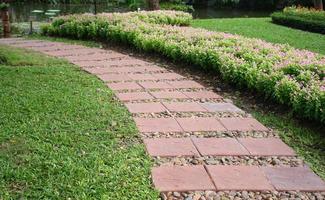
(292, 161)
(224, 134)
(140, 81)
(189, 114)
(164, 90)
(235, 195)
(177, 100)
(138, 72)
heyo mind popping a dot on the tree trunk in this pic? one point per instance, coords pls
(318, 4)
(153, 4)
(5, 22)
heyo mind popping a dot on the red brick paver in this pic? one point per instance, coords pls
(294, 178)
(168, 76)
(169, 95)
(98, 57)
(221, 107)
(200, 124)
(140, 77)
(170, 147)
(155, 85)
(185, 84)
(114, 77)
(242, 124)
(124, 86)
(131, 96)
(183, 178)
(219, 147)
(145, 107)
(202, 95)
(134, 69)
(157, 125)
(239, 178)
(99, 70)
(184, 107)
(266, 146)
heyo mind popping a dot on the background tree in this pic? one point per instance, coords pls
(153, 4)
(318, 4)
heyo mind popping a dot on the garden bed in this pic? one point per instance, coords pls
(301, 18)
(290, 76)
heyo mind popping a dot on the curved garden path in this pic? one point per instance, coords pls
(198, 141)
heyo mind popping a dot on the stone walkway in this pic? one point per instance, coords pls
(202, 146)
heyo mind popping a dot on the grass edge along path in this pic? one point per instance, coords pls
(62, 135)
(263, 28)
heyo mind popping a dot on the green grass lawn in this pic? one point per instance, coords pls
(264, 29)
(63, 136)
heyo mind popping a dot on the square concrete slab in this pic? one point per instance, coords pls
(219, 147)
(132, 96)
(185, 84)
(202, 95)
(181, 178)
(266, 147)
(239, 178)
(200, 124)
(170, 147)
(124, 86)
(168, 95)
(184, 107)
(242, 124)
(168, 76)
(294, 178)
(152, 107)
(99, 70)
(221, 107)
(155, 85)
(96, 57)
(154, 68)
(128, 69)
(142, 77)
(124, 63)
(157, 125)
(114, 77)
(87, 63)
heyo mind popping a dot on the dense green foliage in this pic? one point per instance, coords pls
(290, 76)
(64, 136)
(243, 4)
(4, 6)
(263, 28)
(176, 6)
(301, 18)
(258, 4)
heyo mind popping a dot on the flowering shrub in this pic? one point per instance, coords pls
(290, 76)
(301, 18)
(308, 13)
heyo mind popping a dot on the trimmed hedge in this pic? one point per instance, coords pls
(301, 18)
(290, 76)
